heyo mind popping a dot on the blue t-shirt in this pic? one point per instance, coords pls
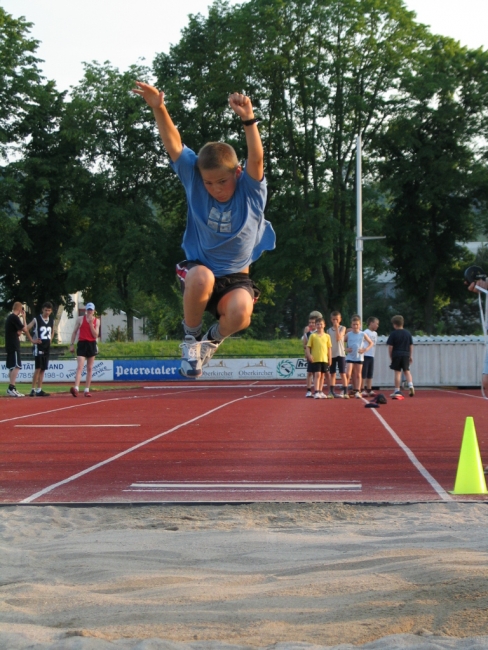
(225, 237)
(355, 341)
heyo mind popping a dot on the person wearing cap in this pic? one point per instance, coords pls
(87, 328)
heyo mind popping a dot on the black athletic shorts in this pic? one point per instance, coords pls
(400, 363)
(41, 361)
(340, 363)
(222, 285)
(368, 367)
(319, 366)
(86, 349)
(13, 360)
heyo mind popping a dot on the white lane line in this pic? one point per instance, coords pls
(72, 426)
(49, 488)
(414, 460)
(80, 404)
(255, 384)
(155, 486)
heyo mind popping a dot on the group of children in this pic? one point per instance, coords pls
(350, 352)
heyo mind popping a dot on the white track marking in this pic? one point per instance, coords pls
(155, 486)
(35, 496)
(414, 460)
(80, 404)
(72, 426)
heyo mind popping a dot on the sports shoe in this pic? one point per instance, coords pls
(319, 396)
(345, 396)
(357, 395)
(330, 396)
(32, 393)
(87, 393)
(41, 393)
(338, 395)
(73, 391)
(323, 395)
(395, 393)
(191, 362)
(411, 391)
(208, 349)
(13, 392)
(309, 393)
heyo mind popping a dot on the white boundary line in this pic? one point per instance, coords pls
(49, 488)
(414, 460)
(72, 426)
(80, 404)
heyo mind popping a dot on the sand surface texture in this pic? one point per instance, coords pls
(264, 575)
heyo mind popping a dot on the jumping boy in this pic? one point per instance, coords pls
(319, 355)
(306, 335)
(368, 364)
(400, 348)
(357, 343)
(42, 327)
(225, 232)
(337, 333)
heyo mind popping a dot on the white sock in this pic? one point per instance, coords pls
(192, 331)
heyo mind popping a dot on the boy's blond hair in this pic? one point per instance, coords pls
(215, 155)
(397, 320)
(356, 318)
(314, 314)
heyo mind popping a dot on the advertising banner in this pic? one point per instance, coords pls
(60, 371)
(146, 370)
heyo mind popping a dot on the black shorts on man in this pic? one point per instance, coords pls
(13, 360)
(41, 360)
(222, 285)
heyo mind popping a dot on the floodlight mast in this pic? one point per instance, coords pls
(359, 228)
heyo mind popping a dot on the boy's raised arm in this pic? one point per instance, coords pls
(167, 130)
(241, 105)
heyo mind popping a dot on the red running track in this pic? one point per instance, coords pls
(233, 443)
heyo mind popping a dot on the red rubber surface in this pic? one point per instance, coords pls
(233, 443)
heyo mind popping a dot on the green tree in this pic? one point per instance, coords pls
(432, 165)
(122, 248)
(320, 72)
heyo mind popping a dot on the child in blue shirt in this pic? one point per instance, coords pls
(225, 232)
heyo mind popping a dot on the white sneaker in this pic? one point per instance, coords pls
(357, 395)
(13, 392)
(208, 349)
(308, 393)
(395, 393)
(191, 364)
(317, 396)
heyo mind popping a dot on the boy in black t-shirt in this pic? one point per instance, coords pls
(400, 348)
(43, 331)
(14, 327)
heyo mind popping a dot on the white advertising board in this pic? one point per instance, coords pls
(61, 371)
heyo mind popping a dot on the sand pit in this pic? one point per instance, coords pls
(261, 575)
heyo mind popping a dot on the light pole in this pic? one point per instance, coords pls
(359, 229)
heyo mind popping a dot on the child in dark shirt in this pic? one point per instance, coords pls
(400, 348)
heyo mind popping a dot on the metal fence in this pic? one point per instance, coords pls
(437, 361)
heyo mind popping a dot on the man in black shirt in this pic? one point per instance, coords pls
(42, 332)
(13, 329)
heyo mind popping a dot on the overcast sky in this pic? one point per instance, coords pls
(123, 31)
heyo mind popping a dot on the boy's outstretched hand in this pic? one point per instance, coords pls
(153, 97)
(241, 105)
